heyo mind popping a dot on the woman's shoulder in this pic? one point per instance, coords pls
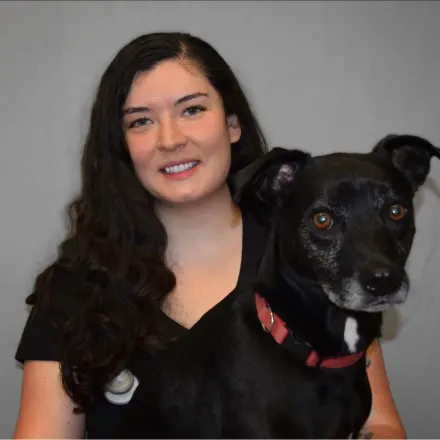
(256, 230)
(256, 223)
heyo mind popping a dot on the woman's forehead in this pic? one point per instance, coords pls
(168, 82)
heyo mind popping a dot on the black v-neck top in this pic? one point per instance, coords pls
(38, 337)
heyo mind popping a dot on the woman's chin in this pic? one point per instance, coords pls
(185, 197)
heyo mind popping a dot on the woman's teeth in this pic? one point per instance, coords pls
(181, 167)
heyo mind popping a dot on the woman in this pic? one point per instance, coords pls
(152, 224)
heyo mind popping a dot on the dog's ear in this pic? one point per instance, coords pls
(410, 154)
(267, 177)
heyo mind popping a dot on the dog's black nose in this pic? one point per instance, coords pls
(381, 281)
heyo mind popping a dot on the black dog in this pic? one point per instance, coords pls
(342, 230)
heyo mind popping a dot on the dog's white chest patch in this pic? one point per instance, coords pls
(351, 336)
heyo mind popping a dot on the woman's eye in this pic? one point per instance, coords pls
(140, 122)
(194, 110)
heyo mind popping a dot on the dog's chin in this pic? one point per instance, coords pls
(351, 296)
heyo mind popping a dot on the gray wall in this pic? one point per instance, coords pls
(321, 77)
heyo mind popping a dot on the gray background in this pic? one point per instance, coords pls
(320, 76)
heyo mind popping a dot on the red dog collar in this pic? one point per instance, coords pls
(274, 325)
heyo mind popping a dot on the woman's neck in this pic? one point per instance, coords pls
(194, 226)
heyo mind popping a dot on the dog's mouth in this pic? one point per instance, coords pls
(383, 304)
(351, 295)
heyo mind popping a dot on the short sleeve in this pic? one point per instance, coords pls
(38, 340)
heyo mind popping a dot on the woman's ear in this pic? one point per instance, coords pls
(234, 128)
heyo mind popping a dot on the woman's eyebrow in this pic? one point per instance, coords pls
(131, 110)
(191, 96)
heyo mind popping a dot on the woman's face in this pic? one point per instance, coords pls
(177, 133)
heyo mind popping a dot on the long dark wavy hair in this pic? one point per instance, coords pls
(110, 271)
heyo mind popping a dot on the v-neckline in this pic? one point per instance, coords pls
(241, 275)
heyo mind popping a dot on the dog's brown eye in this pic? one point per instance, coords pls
(397, 212)
(322, 220)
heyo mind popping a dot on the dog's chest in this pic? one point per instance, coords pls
(288, 399)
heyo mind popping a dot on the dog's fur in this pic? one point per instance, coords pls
(227, 377)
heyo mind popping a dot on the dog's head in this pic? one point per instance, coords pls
(345, 220)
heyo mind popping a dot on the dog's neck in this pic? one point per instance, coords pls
(301, 303)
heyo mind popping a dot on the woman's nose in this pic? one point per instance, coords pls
(171, 136)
